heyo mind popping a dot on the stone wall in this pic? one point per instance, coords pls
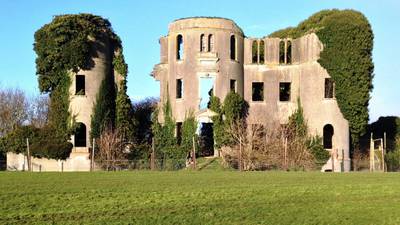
(306, 76)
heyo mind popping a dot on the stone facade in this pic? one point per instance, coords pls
(186, 55)
(82, 100)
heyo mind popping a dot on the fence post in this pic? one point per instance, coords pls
(194, 153)
(286, 161)
(28, 155)
(92, 161)
(152, 157)
(371, 154)
(240, 153)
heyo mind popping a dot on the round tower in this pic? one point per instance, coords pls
(85, 86)
(200, 56)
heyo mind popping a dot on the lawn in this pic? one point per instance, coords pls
(199, 197)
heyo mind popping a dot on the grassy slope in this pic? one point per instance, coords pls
(200, 197)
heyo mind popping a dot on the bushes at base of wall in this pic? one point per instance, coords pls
(43, 143)
(347, 56)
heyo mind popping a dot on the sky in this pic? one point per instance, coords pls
(141, 23)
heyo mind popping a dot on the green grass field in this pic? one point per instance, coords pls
(199, 197)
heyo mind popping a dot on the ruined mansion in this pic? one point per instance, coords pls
(204, 54)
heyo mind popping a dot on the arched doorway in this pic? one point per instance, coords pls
(80, 135)
(327, 136)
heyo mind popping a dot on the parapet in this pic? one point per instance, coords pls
(204, 23)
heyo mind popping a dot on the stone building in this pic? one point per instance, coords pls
(83, 91)
(205, 54)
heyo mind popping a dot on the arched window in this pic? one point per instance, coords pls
(289, 52)
(233, 47)
(328, 134)
(210, 43)
(80, 135)
(179, 47)
(202, 43)
(254, 52)
(281, 52)
(261, 52)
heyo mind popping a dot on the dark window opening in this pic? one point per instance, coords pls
(233, 47)
(210, 43)
(328, 134)
(179, 132)
(329, 88)
(289, 52)
(233, 85)
(202, 43)
(261, 50)
(254, 52)
(206, 140)
(281, 52)
(179, 47)
(179, 88)
(80, 135)
(80, 85)
(257, 91)
(284, 91)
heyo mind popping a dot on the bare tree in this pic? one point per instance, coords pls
(110, 149)
(38, 111)
(260, 146)
(13, 109)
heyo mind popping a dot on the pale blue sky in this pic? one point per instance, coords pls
(140, 24)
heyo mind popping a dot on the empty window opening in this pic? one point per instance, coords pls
(329, 88)
(179, 88)
(233, 47)
(202, 43)
(261, 52)
(179, 47)
(206, 91)
(281, 52)
(254, 52)
(328, 134)
(210, 43)
(206, 139)
(80, 85)
(233, 85)
(289, 52)
(80, 135)
(179, 132)
(284, 91)
(257, 92)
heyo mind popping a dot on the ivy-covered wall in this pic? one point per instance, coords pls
(65, 46)
(347, 38)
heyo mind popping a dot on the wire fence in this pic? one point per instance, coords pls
(142, 164)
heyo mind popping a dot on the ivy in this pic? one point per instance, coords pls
(233, 108)
(297, 128)
(218, 123)
(119, 64)
(67, 45)
(124, 113)
(189, 127)
(347, 56)
(104, 110)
